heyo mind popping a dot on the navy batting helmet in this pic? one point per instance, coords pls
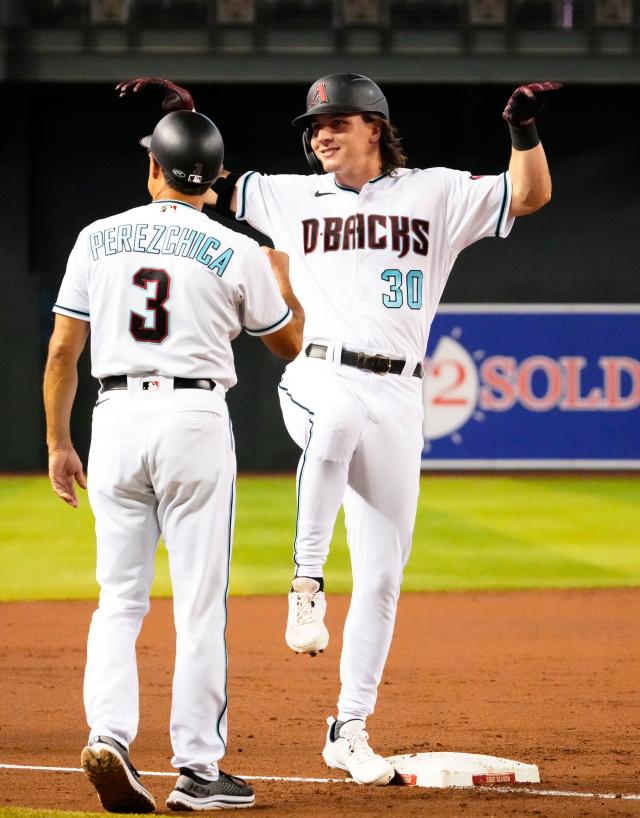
(339, 94)
(188, 146)
(343, 94)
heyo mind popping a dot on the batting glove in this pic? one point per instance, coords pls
(526, 102)
(175, 97)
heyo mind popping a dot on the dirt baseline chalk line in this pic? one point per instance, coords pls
(294, 779)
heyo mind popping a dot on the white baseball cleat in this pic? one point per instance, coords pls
(347, 748)
(306, 631)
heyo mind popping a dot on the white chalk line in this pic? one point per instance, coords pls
(295, 779)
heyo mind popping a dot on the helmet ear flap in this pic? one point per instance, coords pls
(314, 163)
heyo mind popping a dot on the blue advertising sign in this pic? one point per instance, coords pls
(543, 386)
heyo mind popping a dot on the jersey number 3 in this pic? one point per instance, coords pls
(153, 328)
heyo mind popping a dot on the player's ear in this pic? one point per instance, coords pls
(154, 168)
(376, 131)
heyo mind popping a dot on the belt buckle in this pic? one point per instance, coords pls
(378, 364)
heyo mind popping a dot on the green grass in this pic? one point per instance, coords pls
(493, 532)
(24, 812)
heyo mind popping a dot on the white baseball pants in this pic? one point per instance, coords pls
(162, 463)
(361, 436)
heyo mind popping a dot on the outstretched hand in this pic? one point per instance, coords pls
(176, 98)
(526, 102)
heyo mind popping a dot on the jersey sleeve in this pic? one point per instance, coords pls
(263, 309)
(73, 297)
(477, 207)
(264, 201)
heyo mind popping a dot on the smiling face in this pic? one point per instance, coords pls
(347, 145)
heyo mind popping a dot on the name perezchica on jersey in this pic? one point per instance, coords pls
(161, 239)
(372, 231)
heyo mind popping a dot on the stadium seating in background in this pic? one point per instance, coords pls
(487, 12)
(513, 15)
(614, 12)
(236, 12)
(110, 11)
(362, 12)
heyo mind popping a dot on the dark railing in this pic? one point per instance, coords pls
(272, 40)
(552, 15)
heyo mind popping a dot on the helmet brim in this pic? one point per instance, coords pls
(305, 119)
(146, 142)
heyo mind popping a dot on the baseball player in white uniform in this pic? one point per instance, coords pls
(164, 290)
(371, 245)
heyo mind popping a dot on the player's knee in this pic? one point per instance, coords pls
(124, 604)
(381, 583)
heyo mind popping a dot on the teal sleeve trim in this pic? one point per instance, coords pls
(504, 203)
(59, 307)
(240, 214)
(273, 327)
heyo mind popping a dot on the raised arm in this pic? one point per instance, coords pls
(528, 168)
(286, 342)
(222, 196)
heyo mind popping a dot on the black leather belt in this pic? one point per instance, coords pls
(120, 382)
(380, 364)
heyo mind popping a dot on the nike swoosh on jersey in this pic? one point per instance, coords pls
(327, 193)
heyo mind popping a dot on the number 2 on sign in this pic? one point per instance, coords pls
(395, 298)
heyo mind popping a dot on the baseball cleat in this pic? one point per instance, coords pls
(347, 748)
(106, 764)
(195, 793)
(306, 631)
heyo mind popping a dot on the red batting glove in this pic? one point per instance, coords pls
(175, 97)
(526, 102)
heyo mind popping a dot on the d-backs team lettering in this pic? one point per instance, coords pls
(373, 231)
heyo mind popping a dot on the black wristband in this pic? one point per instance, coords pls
(224, 187)
(525, 137)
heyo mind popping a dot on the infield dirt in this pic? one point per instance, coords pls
(547, 677)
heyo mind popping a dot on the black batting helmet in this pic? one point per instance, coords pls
(188, 146)
(343, 94)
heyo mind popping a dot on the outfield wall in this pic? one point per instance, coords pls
(70, 155)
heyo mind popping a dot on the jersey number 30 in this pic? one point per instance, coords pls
(152, 329)
(396, 297)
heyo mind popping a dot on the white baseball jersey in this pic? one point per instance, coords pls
(369, 268)
(172, 289)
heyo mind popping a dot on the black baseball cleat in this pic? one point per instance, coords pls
(107, 765)
(195, 793)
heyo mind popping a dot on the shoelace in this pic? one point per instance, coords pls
(359, 744)
(236, 779)
(304, 607)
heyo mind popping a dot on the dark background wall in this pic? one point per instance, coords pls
(69, 155)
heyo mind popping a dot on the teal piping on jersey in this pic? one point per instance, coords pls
(504, 203)
(174, 201)
(69, 309)
(272, 327)
(302, 465)
(226, 592)
(243, 195)
(352, 190)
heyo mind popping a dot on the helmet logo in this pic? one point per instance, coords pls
(196, 176)
(319, 95)
(179, 173)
